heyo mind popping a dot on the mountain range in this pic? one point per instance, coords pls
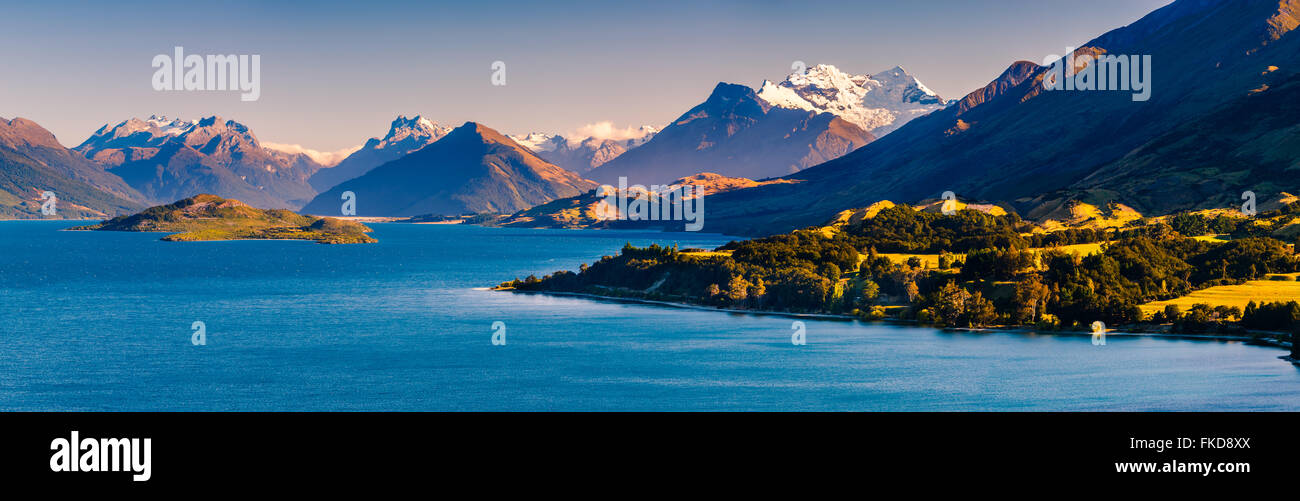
(735, 133)
(878, 103)
(32, 162)
(1221, 120)
(471, 169)
(807, 119)
(582, 154)
(405, 135)
(167, 160)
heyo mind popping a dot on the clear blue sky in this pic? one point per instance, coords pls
(336, 73)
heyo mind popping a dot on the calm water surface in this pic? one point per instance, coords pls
(101, 321)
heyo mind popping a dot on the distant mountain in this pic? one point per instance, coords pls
(24, 180)
(584, 211)
(736, 134)
(1221, 119)
(32, 162)
(29, 139)
(131, 139)
(878, 103)
(472, 169)
(405, 135)
(172, 159)
(582, 154)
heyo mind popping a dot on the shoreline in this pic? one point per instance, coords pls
(1013, 329)
(74, 220)
(360, 219)
(587, 295)
(165, 234)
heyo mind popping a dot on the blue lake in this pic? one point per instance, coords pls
(102, 321)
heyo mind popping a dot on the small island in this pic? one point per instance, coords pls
(211, 218)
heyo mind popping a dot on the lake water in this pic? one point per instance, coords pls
(102, 321)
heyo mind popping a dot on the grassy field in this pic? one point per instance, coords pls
(1259, 291)
(1080, 249)
(1214, 238)
(930, 260)
(708, 253)
(1083, 215)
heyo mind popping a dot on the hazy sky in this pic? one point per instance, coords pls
(336, 73)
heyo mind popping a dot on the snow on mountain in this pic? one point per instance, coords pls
(168, 159)
(734, 133)
(136, 133)
(155, 125)
(630, 137)
(879, 103)
(167, 127)
(647, 133)
(405, 135)
(589, 147)
(157, 130)
(539, 142)
(472, 169)
(404, 131)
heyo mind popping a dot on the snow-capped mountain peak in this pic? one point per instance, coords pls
(826, 76)
(170, 127)
(879, 103)
(642, 134)
(587, 148)
(539, 142)
(417, 128)
(155, 126)
(898, 83)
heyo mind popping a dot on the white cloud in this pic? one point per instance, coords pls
(607, 130)
(326, 158)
